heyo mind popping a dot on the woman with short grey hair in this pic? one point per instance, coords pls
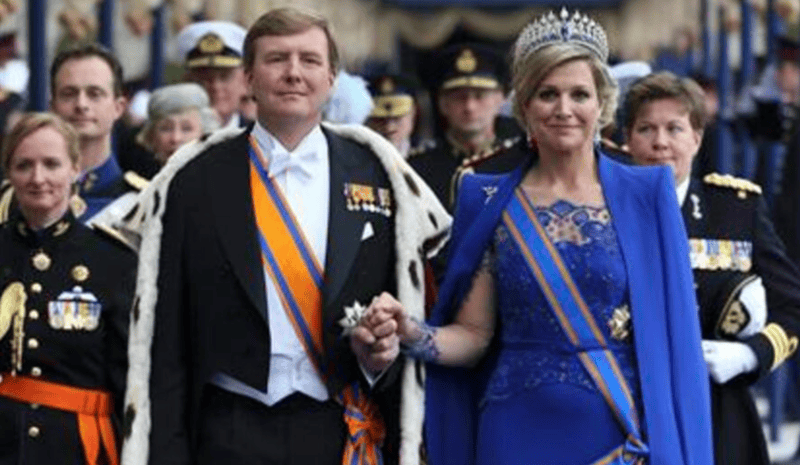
(176, 114)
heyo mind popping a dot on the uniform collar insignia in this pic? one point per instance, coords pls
(695, 206)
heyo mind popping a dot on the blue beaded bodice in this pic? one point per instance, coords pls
(533, 349)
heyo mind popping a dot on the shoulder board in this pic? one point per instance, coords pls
(731, 182)
(498, 147)
(423, 146)
(134, 180)
(114, 235)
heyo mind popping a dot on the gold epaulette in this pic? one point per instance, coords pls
(480, 156)
(134, 180)
(783, 346)
(115, 235)
(6, 196)
(500, 146)
(726, 180)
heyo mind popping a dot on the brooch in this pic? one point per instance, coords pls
(352, 317)
(620, 323)
(489, 191)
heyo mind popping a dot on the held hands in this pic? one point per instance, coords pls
(416, 338)
(375, 340)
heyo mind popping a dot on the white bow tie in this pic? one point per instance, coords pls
(299, 162)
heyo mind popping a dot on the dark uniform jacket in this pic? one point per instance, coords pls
(731, 236)
(211, 311)
(61, 344)
(442, 164)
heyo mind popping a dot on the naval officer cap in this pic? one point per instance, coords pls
(392, 95)
(214, 44)
(471, 65)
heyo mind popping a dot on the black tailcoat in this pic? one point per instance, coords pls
(211, 312)
(723, 213)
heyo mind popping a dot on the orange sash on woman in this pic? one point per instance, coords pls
(93, 408)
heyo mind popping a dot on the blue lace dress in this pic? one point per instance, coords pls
(540, 406)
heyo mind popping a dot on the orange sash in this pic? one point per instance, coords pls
(291, 264)
(93, 408)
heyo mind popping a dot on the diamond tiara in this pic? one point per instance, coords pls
(549, 29)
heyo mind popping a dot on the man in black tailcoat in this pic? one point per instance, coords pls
(236, 375)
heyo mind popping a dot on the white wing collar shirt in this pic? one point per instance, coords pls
(304, 178)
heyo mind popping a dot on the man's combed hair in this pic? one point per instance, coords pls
(288, 21)
(88, 51)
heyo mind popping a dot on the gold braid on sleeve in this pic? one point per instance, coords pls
(782, 345)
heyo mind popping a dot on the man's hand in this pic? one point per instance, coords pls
(375, 341)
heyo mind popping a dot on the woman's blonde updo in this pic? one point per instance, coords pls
(552, 41)
(530, 70)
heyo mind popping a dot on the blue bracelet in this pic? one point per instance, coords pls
(423, 348)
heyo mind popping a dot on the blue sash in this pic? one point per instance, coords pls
(578, 324)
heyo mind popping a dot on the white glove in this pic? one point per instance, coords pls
(754, 299)
(726, 360)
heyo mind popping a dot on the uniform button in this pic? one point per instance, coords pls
(34, 431)
(33, 343)
(36, 372)
(36, 288)
(34, 406)
(33, 315)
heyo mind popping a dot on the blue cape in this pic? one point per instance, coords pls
(674, 379)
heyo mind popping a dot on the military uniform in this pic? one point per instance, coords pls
(101, 186)
(66, 298)
(442, 163)
(468, 66)
(731, 238)
(214, 44)
(393, 97)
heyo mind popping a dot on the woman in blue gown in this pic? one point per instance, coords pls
(566, 330)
